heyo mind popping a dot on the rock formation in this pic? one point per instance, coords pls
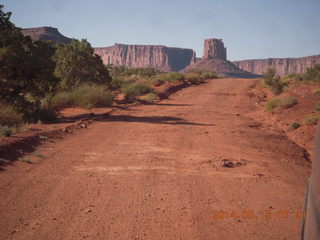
(214, 49)
(283, 66)
(222, 67)
(154, 56)
(46, 34)
(215, 59)
(175, 59)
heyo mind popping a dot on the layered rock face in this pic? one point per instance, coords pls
(152, 56)
(283, 66)
(215, 59)
(46, 34)
(175, 59)
(214, 49)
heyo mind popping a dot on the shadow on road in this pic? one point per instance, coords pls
(152, 119)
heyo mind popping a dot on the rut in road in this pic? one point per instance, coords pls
(154, 172)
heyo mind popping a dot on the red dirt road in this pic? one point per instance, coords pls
(154, 172)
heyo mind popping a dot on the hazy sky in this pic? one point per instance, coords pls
(249, 28)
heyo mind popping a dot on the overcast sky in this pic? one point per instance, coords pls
(249, 28)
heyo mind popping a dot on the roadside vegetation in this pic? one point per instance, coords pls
(276, 104)
(140, 83)
(282, 86)
(38, 80)
(279, 84)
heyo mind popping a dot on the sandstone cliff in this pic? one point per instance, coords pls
(283, 66)
(215, 59)
(175, 59)
(46, 34)
(214, 49)
(154, 56)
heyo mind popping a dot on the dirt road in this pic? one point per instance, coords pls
(156, 172)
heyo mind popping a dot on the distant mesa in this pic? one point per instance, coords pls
(283, 66)
(180, 59)
(215, 59)
(160, 57)
(46, 34)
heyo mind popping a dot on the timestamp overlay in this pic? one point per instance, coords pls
(262, 214)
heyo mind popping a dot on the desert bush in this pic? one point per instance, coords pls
(312, 74)
(10, 117)
(317, 106)
(59, 101)
(272, 105)
(288, 102)
(149, 97)
(193, 78)
(136, 89)
(86, 96)
(120, 81)
(157, 82)
(174, 77)
(275, 104)
(124, 71)
(209, 74)
(144, 72)
(7, 131)
(312, 119)
(159, 79)
(273, 82)
(89, 96)
(204, 74)
(290, 76)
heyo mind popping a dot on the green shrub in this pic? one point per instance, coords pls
(288, 102)
(209, 75)
(123, 71)
(273, 82)
(60, 100)
(136, 89)
(116, 82)
(313, 74)
(149, 97)
(317, 106)
(312, 119)
(290, 76)
(157, 82)
(159, 79)
(204, 74)
(193, 78)
(174, 77)
(6, 130)
(86, 96)
(26, 160)
(275, 104)
(10, 117)
(272, 105)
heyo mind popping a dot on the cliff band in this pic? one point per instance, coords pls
(154, 56)
(283, 66)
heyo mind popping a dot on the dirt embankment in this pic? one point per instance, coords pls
(195, 166)
(304, 134)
